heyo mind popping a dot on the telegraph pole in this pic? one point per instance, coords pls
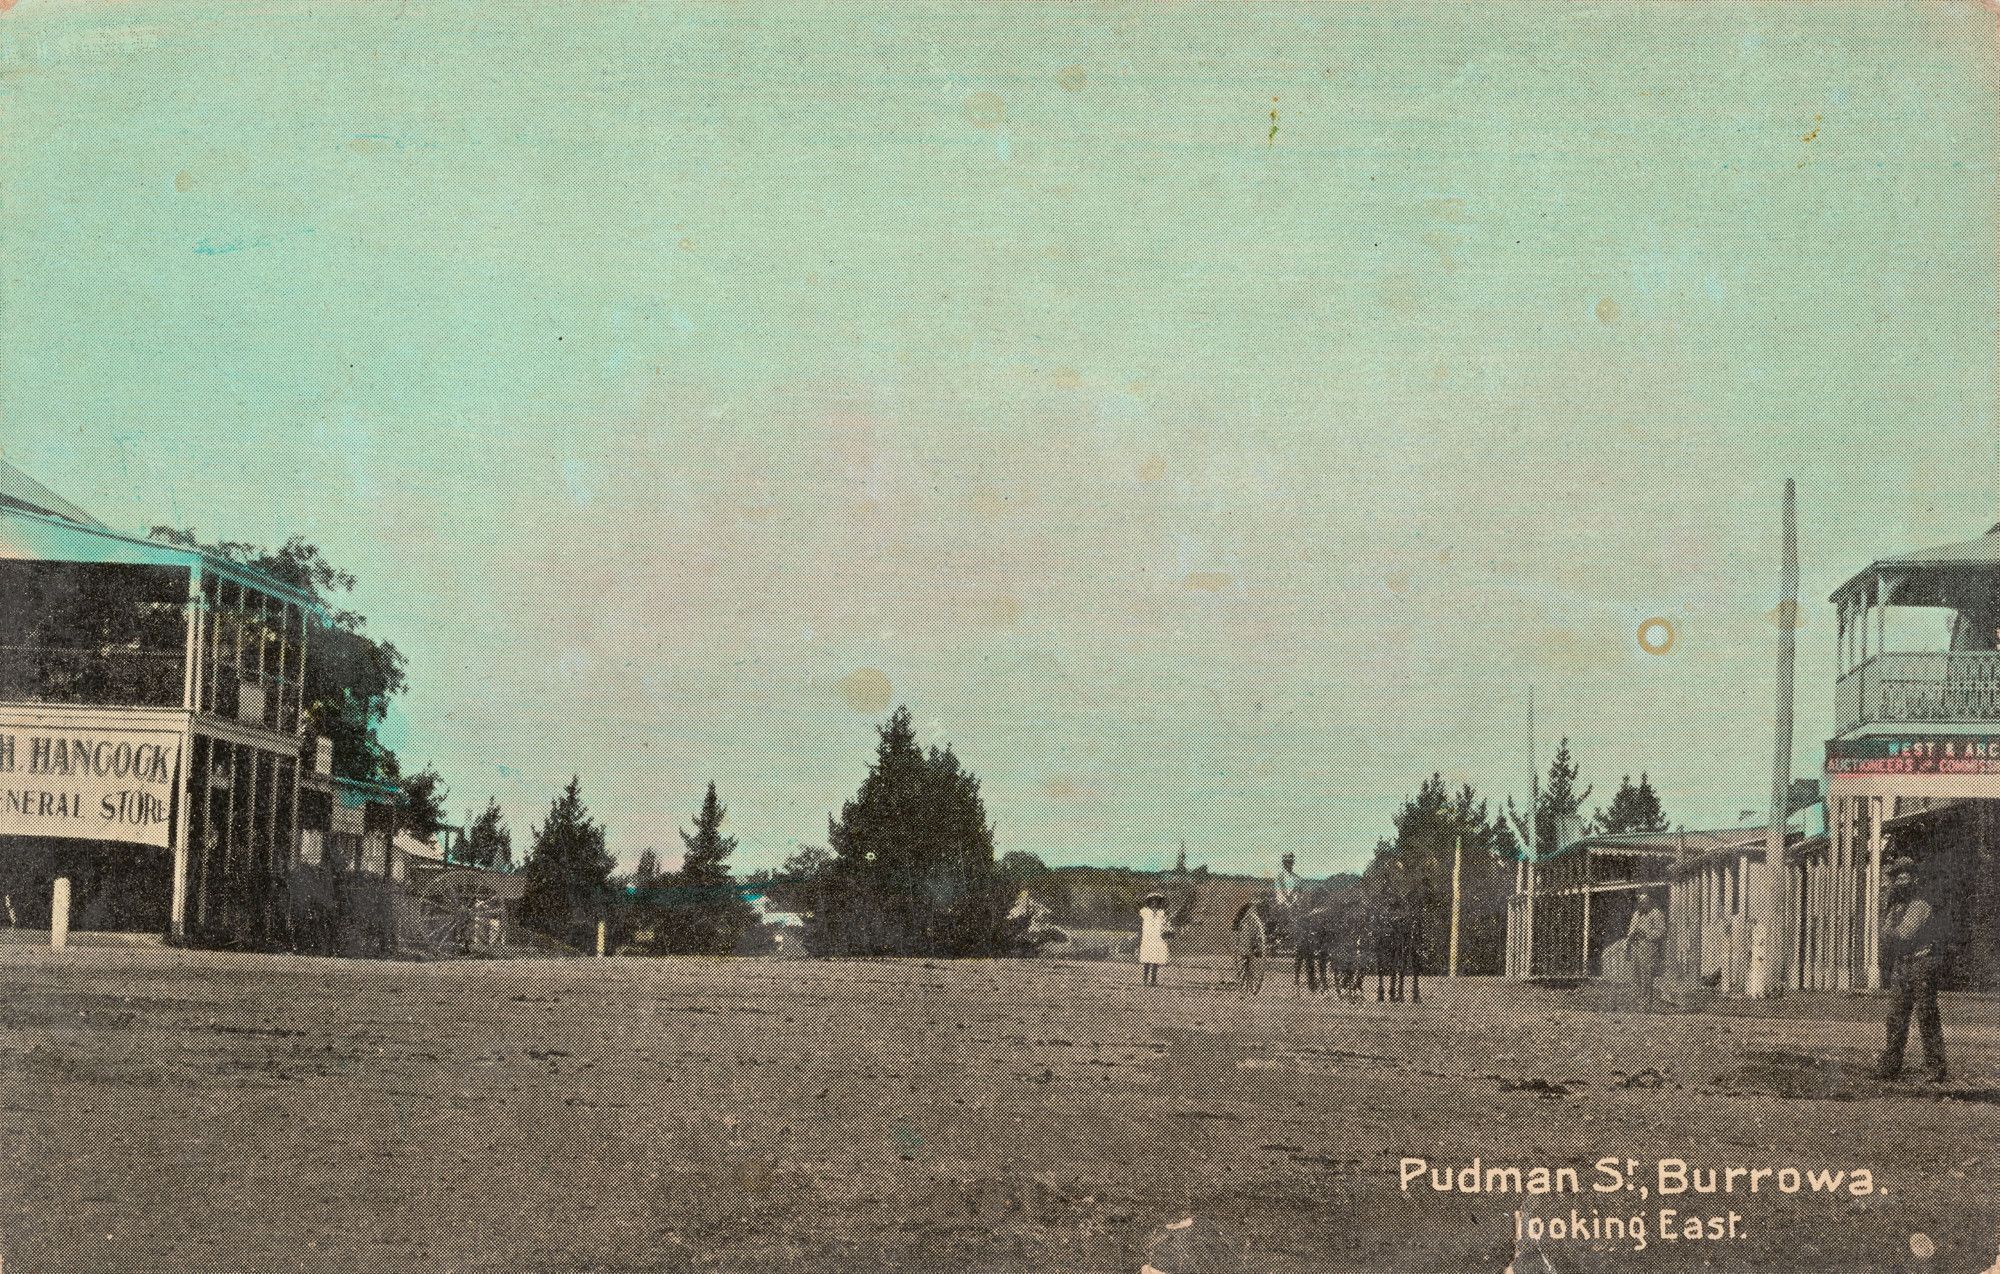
(1773, 919)
(1534, 817)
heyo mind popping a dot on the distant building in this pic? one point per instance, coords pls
(1573, 901)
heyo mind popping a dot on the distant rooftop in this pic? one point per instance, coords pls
(21, 491)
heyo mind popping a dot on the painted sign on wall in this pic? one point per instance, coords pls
(94, 784)
(1914, 754)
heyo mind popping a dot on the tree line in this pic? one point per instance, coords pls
(909, 866)
(909, 871)
(1436, 822)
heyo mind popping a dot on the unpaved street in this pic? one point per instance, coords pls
(170, 1111)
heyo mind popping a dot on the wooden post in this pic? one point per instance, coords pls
(1837, 915)
(1586, 917)
(1872, 947)
(1799, 933)
(1852, 925)
(184, 789)
(1528, 940)
(600, 938)
(1809, 925)
(1815, 924)
(184, 771)
(1457, 856)
(1881, 614)
(59, 914)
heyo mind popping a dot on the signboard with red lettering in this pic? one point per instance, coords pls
(1914, 754)
(88, 784)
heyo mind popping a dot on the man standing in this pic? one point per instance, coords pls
(1644, 939)
(1914, 937)
(1287, 895)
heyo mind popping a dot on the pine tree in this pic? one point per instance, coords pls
(569, 872)
(646, 876)
(488, 843)
(913, 870)
(1557, 804)
(1562, 802)
(1417, 867)
(703, 913)
(1633, 809)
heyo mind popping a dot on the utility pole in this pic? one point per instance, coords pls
(1773, 926)
(1534, 817)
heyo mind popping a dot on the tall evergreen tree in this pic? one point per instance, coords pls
(647, 875)
(488, 842)
(1633, 809)
(569, 872)
(1558, 803)
(703, 913)
(913, 870)
(1562, 800)
(1417, 865)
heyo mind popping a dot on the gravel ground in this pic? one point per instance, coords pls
(170, 1111)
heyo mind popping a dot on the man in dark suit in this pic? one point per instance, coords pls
(1915, 934)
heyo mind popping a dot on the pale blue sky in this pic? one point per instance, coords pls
(656, 368)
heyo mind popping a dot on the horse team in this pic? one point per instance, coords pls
(1337, 943)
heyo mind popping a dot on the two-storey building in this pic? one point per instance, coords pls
(151, 731)
(1913, 766)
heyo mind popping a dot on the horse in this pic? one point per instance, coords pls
(1350, 961)
(1315, 943)
(1398, 931)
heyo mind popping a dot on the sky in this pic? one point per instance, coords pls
(1208, 420)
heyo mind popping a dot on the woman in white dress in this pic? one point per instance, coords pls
(1153, 934)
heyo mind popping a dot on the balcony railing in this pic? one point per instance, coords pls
(1933, 687)
(97, 677)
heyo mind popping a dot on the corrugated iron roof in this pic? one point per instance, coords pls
(42, 537)
(18, 488)
(1984, 551)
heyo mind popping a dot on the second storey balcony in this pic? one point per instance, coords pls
(1919, 641)
(89, 618)
(1920, 687)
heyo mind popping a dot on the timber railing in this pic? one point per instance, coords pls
(1924, 687)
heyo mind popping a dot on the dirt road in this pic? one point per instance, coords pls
(169, 1111)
